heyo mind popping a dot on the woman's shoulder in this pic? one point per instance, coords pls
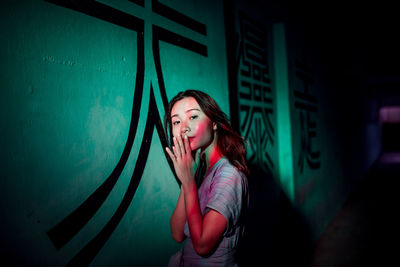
(226, 169)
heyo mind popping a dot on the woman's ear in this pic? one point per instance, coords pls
(215, 126)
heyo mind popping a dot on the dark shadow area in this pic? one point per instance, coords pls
(276, 234)
(364, 232)
(295, 244)
(391, 136)
(260, 241)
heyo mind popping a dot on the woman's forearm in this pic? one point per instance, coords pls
(207, 230)
(178, 219)
(193, 215)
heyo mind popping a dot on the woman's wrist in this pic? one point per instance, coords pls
(188, 185)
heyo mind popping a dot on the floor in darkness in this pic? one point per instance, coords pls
(365, 232)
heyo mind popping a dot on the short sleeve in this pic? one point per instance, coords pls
(227, 194)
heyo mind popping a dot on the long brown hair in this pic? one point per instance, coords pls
(230, 143)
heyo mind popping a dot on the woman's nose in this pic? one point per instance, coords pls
(185, 128)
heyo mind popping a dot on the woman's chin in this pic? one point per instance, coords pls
(193, 146)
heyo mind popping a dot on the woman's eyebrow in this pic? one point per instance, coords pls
(189, 110)
(192, 110)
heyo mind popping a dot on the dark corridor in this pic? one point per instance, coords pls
(364, 232)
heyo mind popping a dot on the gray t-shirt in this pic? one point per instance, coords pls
(225, 190)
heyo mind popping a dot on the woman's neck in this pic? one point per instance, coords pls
(212, 154)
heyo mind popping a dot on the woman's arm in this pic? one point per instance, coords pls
(178, 219)
(205, 231)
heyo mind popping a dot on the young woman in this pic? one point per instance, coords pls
(209, 161)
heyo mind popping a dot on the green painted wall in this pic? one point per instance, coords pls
(68, 82)
(284, 118)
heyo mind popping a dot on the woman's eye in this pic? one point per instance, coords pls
(175, 123)
(194, 117)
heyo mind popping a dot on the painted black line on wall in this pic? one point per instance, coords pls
(87, 254)
(178, 17)
(64, 231)
(179, 40)
(138, 2)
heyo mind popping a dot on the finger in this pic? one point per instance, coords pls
(171, 155)
(181, 145)
(187, 145)
(177, 150)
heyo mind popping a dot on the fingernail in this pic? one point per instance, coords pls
(185, 136)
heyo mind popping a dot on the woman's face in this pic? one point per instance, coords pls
(188, 118)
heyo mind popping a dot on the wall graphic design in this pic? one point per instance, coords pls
(306, 106)
(65, 230)
(255, 99)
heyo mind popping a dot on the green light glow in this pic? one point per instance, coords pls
(283, 111)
